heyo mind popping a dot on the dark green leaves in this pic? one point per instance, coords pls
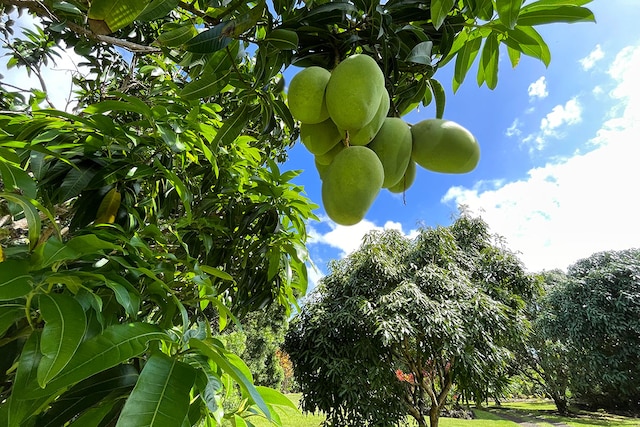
(488, 68)
(528, 41)
(15, 280)
(161, 395)
(208, 41)
(466, 55)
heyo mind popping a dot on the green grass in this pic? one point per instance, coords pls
(532, 411)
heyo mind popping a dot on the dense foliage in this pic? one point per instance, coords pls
(153, 206)
(595, 312)
(399, 322)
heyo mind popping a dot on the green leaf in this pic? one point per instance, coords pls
(108, 16)
(489, 60)
(208, 41)
(177, 36)
(30, 213)
(86, 394)
(274, 397)
(439, 95)
(94, 416)
(439, 11)
(104, 106)
(16, 179)
(514, 56)
(9, 314)
(64, 327)
(216, 272)
(508, 11)
(204, 86)
(129, 300)
(421, 53)
(157, 9)
(15, 280)
(464, 60)
(53, 251)
(551, 15)
(235, 370)
(183, 192)
(546, 4)
(232, 127)
(24, 384)
(74, 182)
(528, 41)
(115, 345)
(161, 395)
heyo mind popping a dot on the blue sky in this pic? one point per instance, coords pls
(558, 174)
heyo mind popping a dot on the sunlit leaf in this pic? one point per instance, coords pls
(208, 41)
(439, 95)
(108, 16)
(568, 14)
(489, 60)
(439, 11)
(508, 11)
(464, 60)
(30, 213)
(157, 9)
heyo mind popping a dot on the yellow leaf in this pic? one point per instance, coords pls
(108, 208)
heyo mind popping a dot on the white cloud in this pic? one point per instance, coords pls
(514, 129)
(550, 126)
(538, 89)
(590, 60)
(570, 209)
(348, 238)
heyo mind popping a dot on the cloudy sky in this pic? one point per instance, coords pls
(559, 171)
(558, 174)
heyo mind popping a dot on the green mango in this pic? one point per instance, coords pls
(327, 158)
(351, 184)
(353, 92)
(444, 146)
(366, 134)
(392, 145)
(406, 180)
(306, 95)
(320, 137)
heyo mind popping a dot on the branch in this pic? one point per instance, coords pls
(39, 9)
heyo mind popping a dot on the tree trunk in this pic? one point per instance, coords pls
(434, 416)
(561, 403)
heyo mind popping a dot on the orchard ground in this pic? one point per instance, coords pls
(528, 413)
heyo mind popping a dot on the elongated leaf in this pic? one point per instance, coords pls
(128, 300)
(205, 86)
(274, 397)
(19, 410)
(30, 213)
(15, 280)
(55, 251)
(157, 9)
(9, 314)
(439, 11)
(108, 16)
(489, 60)
(94, 417)
(112, 382)
(104, 106)
(74, 182)
(207, 348)
(439, 95)
(528, 41)
(65, 324)
(208, 41)
(569, 14)
(183, 192)
(508, 11)
(514, 56)
(545, 4)
(231, 127)
(464, 60)
(161, 395)
(16, 179)
(115, 345)
(175, 37)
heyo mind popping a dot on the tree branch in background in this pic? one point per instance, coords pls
(38, 8)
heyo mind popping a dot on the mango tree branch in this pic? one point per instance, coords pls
(40, 9)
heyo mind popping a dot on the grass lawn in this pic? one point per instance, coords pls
(532, 411)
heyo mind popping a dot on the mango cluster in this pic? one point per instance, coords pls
(358, 149)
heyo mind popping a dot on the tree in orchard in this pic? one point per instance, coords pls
(399, 322)
(545, 359)
(595, 311)
(155, 207)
